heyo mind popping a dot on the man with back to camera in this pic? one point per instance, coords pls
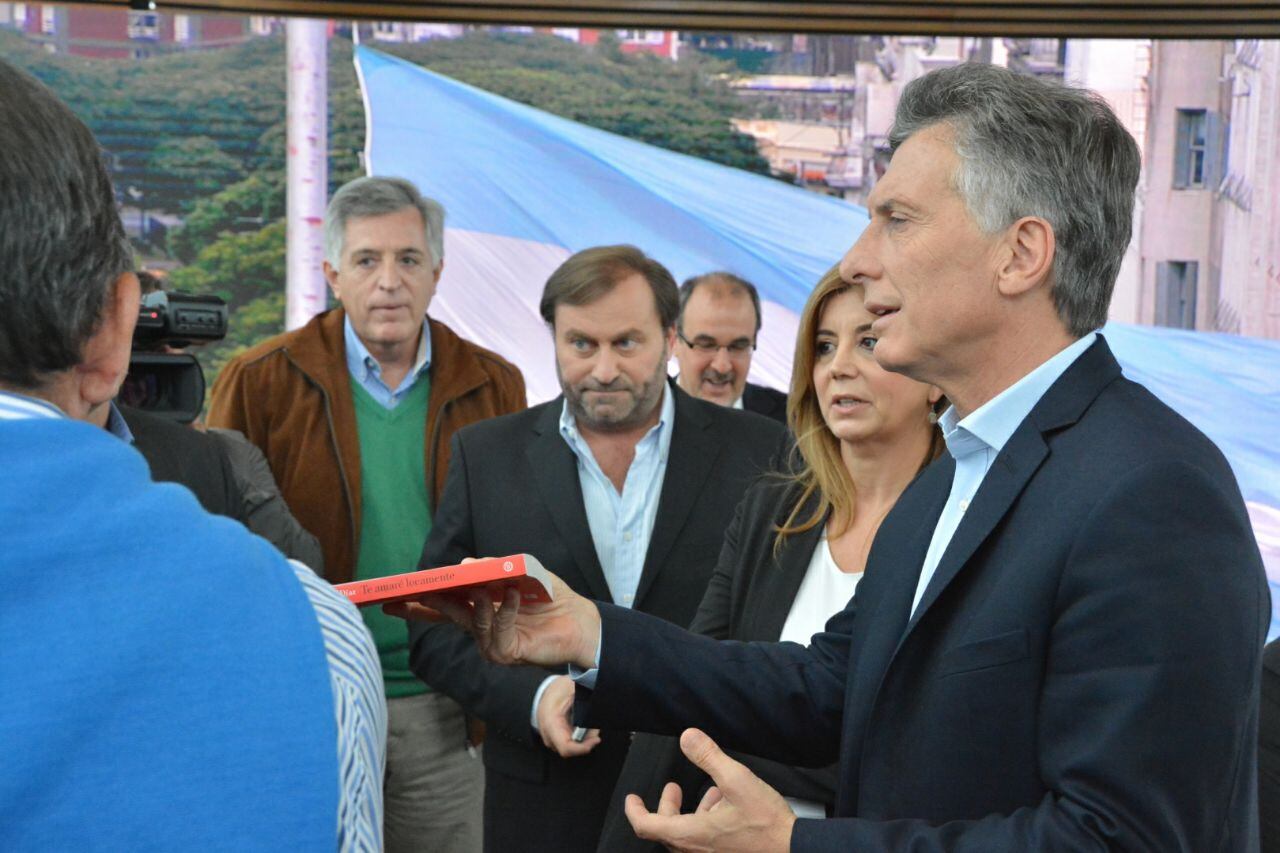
(355, 412)
(716, 335)
(214, 695)
(625, 484)
(1056, 645)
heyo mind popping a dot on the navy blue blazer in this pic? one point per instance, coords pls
(1082, 672)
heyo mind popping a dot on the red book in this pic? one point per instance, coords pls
(521, 570)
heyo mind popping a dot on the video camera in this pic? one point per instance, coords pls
(166, 383)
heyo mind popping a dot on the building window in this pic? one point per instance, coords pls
(20, 15)
(182, 28)
(264, 26)
(1199, 160)
(144, 25)
(641, 36)
(1176, 294)
(387, 31)
(48, 19)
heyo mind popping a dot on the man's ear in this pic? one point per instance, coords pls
(435, 276)
(105, 357)
(1030, 247)
(331, 276)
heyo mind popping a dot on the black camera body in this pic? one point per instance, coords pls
(166, 383)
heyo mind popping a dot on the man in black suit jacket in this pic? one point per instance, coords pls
(716, 332)
(765, 401)
(1269, 749)
(518, 484)
(1056, 643)
(227, 474)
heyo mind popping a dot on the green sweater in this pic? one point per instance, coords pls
(395, 515)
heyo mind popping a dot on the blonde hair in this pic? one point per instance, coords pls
(818, 469)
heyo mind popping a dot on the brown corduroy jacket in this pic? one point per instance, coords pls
(291, 395)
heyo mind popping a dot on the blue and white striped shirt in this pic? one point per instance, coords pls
(355, 676)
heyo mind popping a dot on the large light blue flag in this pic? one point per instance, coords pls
(525, 189)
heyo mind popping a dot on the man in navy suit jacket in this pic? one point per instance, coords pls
(1056, 645)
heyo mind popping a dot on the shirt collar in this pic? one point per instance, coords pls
(363, 366)
(666, 417)
(20, 407)
(116, 424)
(994, 422)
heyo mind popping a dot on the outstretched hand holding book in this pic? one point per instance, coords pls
(562, 630)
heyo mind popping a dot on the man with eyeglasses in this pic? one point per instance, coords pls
(715, 338)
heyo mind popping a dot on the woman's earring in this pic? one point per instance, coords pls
(933, 418)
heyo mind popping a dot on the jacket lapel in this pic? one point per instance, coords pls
(1010, 473)
(555, 471)
(883, 600)
(690, 460)
(1062, 405)
(783, 582)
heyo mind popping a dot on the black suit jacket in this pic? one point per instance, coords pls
(513, 487)
(765, 401)
(1269, 749)
(1081, 673)
(227, 474)
(176, 453)
(748, 598)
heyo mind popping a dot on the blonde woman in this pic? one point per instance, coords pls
(798, 544)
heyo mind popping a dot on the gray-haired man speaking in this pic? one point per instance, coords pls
(355, 412)
(1057, 643)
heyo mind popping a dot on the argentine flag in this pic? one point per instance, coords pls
(525, 189)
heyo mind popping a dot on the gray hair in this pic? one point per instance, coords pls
(693, 282)
(62, 244)
(1028, 147)
(374, 196)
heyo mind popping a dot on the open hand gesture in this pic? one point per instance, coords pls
(739, 813)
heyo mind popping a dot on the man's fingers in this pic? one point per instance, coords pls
(650, 826)
(481, 619)
(669, 802)
(709, 758)
(504, 623)
(674, 831)
(415, 611)
(559, 739)
(557, 733)
(710, 799)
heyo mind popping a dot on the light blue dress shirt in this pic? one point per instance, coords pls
(621, 524)
(366, 370)
(117, 426)
(976, 441)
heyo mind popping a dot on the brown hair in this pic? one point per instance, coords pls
(591, 273)
(817, 466)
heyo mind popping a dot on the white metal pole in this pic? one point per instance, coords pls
(307, 172)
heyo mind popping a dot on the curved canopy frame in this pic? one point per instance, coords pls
(1183, 19)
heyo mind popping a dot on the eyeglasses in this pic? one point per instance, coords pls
(740, 347)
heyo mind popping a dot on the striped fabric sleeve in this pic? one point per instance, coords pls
(360, 708)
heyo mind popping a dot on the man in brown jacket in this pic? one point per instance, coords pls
(355, 412)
